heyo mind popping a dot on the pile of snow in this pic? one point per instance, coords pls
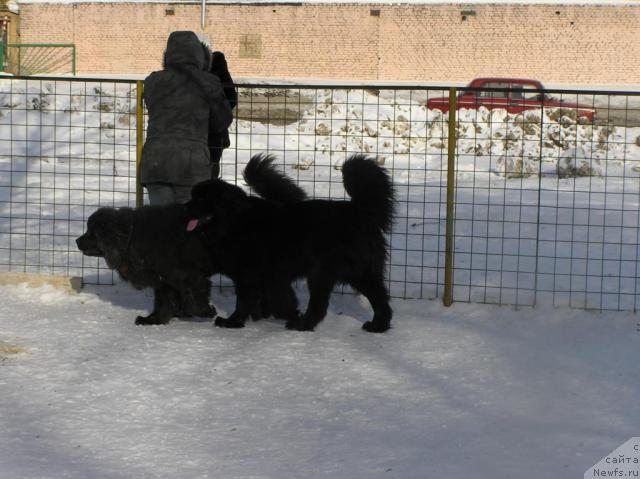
(392, 124)
(94, 121)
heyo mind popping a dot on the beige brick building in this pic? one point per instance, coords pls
(557, 43)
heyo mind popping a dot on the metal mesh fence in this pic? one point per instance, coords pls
(66, 147)
(312, 130)
(547, 202)
(546, 193)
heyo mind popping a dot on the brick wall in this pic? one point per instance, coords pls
(571, 44)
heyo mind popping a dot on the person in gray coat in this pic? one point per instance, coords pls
(184, 101)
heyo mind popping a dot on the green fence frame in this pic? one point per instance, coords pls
(447, 298)
(19, 46)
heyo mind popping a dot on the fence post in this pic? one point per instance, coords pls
(451, 191)
(139, 141)
(73, 59)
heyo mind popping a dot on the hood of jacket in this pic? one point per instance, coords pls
(184, 48)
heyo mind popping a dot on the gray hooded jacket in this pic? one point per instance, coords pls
(181, 100)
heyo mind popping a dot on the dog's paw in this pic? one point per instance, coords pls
(150, 320)
(207, 311)
(259, 313)
(372, 327)
(298, 326)
(210, 312)
(228, 323)
(292, 324)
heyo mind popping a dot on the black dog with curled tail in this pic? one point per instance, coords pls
(263, 244)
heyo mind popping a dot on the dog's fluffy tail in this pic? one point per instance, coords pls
(370, 188)
(273, 185)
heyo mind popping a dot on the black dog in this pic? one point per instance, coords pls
(149, 247)
(262, 244)
(235, 225)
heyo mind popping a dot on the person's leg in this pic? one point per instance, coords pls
(216, 156)
(160, 194)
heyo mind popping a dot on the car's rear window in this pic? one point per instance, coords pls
(494, 94)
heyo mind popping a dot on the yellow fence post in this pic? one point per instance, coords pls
(139, 141)
(451, 191)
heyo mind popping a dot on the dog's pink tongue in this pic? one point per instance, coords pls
(192, 224)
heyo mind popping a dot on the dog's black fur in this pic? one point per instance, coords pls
(234, 229)
(150, 248)
(267, 243)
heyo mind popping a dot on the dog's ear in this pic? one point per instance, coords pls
(219, 194)
(200, 190)
(216, 198)
(232, 200)
(107, 243)
(112, 255)
(234, 194)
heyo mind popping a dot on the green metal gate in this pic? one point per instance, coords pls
(38, 58)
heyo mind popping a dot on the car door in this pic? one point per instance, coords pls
(495, 98)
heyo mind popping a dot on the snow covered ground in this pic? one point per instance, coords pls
(469, 391)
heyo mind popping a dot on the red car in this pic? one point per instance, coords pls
(516, 96)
